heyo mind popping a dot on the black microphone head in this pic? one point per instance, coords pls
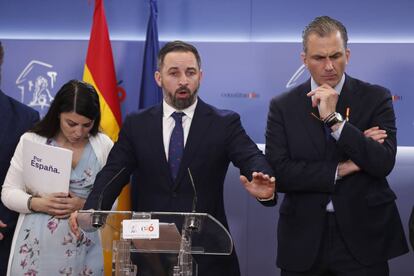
(194, 224)
(98, 220)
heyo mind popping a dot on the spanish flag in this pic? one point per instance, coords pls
(100, 72)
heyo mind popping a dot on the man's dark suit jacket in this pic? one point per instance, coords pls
(16, 119)
(215, 139)
(305, 160)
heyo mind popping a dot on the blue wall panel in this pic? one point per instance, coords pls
(211, 20)
(239, 76)
(250, 50)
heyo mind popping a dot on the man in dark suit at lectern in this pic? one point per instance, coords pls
(161, 144)
(16, 119)
(331, 142)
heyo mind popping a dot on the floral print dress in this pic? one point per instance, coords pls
(45, 245)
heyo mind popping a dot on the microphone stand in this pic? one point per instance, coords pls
(191, 225)
(184, 266)
(121, 249)
(98, 219)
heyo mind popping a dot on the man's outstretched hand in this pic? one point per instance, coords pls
(262, 185)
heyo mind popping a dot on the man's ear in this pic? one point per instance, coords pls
(157, 77)
(304, 59)
(347, 54)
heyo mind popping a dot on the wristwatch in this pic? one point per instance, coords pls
(334, 119)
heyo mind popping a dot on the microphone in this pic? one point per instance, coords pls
(193, 210)
(98, 219)
(193, 224)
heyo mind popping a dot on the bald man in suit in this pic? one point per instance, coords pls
(332, 142)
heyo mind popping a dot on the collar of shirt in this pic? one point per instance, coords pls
(168, 110)
(338, 87)
(168, 122)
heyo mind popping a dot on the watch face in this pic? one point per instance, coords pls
(336, 119)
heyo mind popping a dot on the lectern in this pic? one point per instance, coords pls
(180, 236)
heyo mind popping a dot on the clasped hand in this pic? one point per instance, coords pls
(349, 167)
(325, 98)
(59, 205)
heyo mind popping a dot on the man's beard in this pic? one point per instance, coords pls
(181, 104)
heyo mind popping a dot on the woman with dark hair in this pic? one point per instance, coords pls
(43, 243)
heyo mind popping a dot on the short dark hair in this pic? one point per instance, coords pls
(177, 46)
(74, 96)
(323, 26)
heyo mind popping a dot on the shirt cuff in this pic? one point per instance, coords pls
(266, 199)
(337, 133)
(337, 176)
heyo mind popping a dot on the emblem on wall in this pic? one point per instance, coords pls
(294, 79)
(35, 83)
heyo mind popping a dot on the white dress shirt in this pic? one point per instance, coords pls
(336, 134)
(168, 122)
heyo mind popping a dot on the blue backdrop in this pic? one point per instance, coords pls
(250, 52)
(238, 76)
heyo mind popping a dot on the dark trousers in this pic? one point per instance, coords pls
(334, 258)
(5, 245)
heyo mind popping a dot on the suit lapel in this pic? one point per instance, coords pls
(156, 141)
(6, 116)
(349, 107)
(198, 129)
(309, 119)
(349, 99)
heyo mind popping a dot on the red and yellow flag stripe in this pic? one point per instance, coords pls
(99, 71)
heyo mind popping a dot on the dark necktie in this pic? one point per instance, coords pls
(176, 148)
(328, 135)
